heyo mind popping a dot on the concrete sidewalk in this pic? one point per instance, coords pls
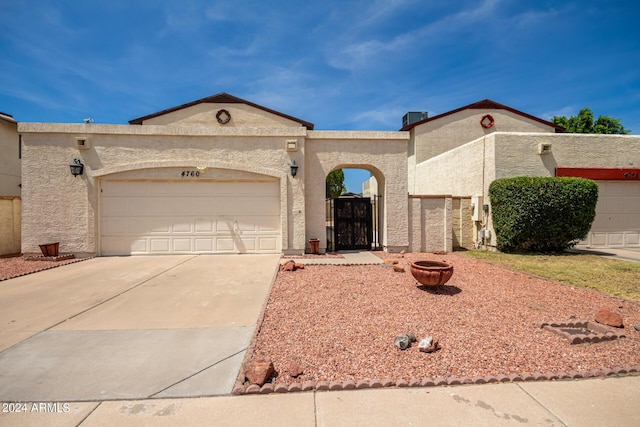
(592, 402)
(349, 258)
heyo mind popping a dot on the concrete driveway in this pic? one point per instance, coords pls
(130, 327)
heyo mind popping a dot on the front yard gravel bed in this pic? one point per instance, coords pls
(338, 323)
(17, 266)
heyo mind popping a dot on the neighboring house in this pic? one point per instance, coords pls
(10, 159)
(9, 186)
(217, 176)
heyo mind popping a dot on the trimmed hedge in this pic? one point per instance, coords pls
(540, 214)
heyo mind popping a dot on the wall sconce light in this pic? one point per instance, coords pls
(76, 168)
(294, 168)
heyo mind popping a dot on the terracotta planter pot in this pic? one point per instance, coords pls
(50, 249)
(315, 246)
(431, 273)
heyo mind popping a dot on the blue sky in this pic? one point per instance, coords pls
(346, 65)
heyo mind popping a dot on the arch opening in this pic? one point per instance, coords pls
(354, 208)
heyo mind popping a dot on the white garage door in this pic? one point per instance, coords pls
(180, 217)
(617, 222)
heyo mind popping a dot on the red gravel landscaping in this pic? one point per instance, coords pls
(338, 324)
(16, 266)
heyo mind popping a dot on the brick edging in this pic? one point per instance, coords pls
(241, 389)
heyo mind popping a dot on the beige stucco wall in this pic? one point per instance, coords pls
(516, 154)
(9, 225)
(462, 226)
(446, 133)
(204, 114)
(59, 207)
(469, 169)
(430, 223)
(384, 154)
(9, 159)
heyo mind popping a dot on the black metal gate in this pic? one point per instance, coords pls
(353, 223)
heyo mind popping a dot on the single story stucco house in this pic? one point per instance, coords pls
(225, 175)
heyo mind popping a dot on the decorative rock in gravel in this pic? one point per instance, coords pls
(637, 326)
(428, 345)
(390, 261)
(401, 341)
(608, 317)
(294, 369)
(398, 269)
(259, 371)
(289, 266)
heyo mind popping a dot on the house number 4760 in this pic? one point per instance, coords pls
(186, 174)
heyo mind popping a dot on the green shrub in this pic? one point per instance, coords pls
(540, 214)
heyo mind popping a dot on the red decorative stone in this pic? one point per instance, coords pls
(431, 273)
(294, 369)
(289, 266)
(259, 371)
(608, 317)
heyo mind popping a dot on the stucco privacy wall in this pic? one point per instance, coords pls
(384, 154)
(450, 131)
(59, 207)
(9, 225)
(430, 226)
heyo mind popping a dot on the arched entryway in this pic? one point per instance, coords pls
(354, 212)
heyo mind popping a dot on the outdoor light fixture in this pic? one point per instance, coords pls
(294, 168)
(76, 168)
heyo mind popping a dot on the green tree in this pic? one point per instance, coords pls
(335, 184)
(585, 123)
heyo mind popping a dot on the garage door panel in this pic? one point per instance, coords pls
(139, 246)
(182, 245)
(204, 225)
(224, 244)
(632, 239)
(268, 244)
(159, 245)
(617, 222)
(139, 217)
(204, 245)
